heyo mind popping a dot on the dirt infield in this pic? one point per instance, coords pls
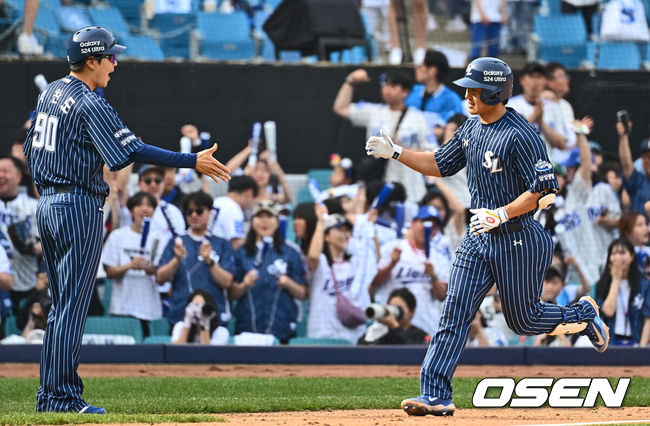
(377, 417)
(279, 370)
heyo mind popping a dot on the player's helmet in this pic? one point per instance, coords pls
(92, 41)
(490, 74)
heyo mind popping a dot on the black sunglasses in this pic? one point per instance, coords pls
(149, 180)
(199, 211)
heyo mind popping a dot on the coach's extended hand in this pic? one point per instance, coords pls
(208, 165)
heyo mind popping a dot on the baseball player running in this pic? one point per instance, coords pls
(73, 134)
(509, 176)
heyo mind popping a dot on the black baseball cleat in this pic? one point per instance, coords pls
(424, 404)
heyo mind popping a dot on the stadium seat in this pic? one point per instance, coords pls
(142, 47)
(322, 177)
(225, 36)
(46, 22)
(108, 291)
(173, 31)
(554, 6)
(109, 17)
(301, 326)
(311, 341)
(157, 339)
(57, 45)
(10, 326)
(130, 10)
(159, 327)
(561, 38)
(71, 18)
(618, 56)
(304, 196)
(114, 326)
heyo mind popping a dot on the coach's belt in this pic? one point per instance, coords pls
(63, 189)
(67, 189)
(506, 228)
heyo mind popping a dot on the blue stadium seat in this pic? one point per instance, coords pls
(114, 325)
(141, 47)
(10, 326)
(130, 10)
(322, 177)
(304, 196)
(151, 340)
(71, 18)
(109, 17)
(174, 32)
(225, 35)
(554, 7)
(618, 56)
(562, 38)
(311, 341)
(50, 3)
(17, 5)
(159, 327)
(46, 22)
(56, 45)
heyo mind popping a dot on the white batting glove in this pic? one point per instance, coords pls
(383, 146)
(486, 219)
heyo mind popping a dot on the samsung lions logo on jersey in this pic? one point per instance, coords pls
(543, 166)
(491, 162)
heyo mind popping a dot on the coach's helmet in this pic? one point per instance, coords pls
(490, 74)
(92, 41)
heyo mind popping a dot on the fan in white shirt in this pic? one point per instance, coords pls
(131, 265)
(404, 264)
(230, 224)
(335, 274)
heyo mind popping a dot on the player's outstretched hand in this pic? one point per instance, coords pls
(208, 165)
(486, 219)
(382, 146)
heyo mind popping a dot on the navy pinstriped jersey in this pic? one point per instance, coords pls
(74, 132)
(504, 159)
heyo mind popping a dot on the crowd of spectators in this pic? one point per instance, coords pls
(223, 269)
(491, 26)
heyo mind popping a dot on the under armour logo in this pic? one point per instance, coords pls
(518, 243)
(465, 142)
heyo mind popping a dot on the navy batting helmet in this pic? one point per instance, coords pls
(92, 41)
(490, 74)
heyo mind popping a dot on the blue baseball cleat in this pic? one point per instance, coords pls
(89, 409)
(597, 331)
(424, 404)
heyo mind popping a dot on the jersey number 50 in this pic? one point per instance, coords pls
(45, 131)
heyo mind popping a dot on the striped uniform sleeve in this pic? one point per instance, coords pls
(530, 160)
(451, 157)
(112, 139)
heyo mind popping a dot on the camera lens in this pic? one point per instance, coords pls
(207, 309)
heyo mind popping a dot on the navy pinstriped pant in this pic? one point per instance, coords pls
(516, 261)
(70, 227)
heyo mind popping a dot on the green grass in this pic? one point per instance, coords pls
(177, 400)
